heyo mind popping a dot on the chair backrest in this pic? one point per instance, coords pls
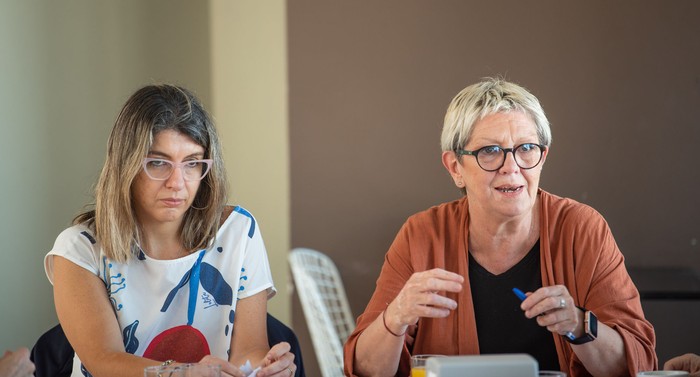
(325, 307)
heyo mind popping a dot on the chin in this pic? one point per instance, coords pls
(172, 214)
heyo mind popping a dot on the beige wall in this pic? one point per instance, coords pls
(65, 70)
(249, 90)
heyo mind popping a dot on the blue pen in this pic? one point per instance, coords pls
(522, 296)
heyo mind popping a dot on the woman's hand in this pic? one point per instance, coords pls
(227, 369)
(689, 362)
(554, 308)
(278, 362)
(16, 364)
(423, 296)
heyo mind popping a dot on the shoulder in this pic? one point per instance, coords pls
(575, 226)
(442, 214)
(563, 210)
(76, 234)
(436, 223)
(237, 217)
(78, 245)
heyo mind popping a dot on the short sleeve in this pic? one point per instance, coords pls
(78, 245)
(256, 275)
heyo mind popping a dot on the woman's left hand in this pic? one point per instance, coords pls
(555, 309)
(278, 362)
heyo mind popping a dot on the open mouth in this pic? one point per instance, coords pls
(509, 189)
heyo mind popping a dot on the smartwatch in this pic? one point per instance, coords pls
(590, 325)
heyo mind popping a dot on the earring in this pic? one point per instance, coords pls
(460, 183)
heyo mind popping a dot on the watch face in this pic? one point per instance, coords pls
(591, 324)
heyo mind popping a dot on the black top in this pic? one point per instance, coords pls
(500, 323)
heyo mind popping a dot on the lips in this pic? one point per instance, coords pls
(507, 189)
(172, 202)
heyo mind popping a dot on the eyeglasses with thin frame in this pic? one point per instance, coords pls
(493, 157)
(192, 170)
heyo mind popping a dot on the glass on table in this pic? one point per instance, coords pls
(164, 371)
(183, 370)
(418, 364)
(203, 370)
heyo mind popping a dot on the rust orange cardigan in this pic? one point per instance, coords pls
(577, 250)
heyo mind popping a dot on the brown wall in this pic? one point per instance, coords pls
(370, 81)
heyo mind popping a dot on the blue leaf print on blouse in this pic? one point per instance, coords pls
(131, 342)
(214, 283)
(113, 283)
(243, 279)
(173, 292)
(245, 213)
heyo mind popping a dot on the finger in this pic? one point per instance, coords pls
(539, 304)
(437, 300)
(549, 291)
(558, 322)
(231, 370)
(446, 275)
(677, 363)
(433, 284)
(427, 283)
(226, 367)
(284, 366)
(277, 351)
(28, 367)
(431, 312)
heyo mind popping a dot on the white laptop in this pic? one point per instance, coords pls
(503, 365)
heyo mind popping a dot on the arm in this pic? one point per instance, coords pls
(88, 320)
(420, 297)
(604, 356)
(585, 258)
(249, 340)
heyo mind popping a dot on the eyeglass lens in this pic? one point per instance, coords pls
(163, 169)
(527, 156)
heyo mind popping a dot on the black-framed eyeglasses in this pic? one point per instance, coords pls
(492, 157)
(160, 169)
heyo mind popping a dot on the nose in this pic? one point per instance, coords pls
(509, 164)
(176, 181)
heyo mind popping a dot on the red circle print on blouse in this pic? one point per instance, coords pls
(184, 344)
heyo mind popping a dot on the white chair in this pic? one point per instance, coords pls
(325, 306)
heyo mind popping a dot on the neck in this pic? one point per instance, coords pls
(498, 244)
(162, 241)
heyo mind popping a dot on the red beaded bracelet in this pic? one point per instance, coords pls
(387, 327)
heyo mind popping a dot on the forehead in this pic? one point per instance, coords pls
(504, 126)
(172, 142)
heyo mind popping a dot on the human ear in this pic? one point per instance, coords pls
(451, 162)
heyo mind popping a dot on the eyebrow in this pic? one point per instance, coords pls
(198, 155)
(518, 141)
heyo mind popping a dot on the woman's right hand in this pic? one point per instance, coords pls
(423, 296)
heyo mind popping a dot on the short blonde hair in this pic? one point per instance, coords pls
(490, 96)
(147, 112)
